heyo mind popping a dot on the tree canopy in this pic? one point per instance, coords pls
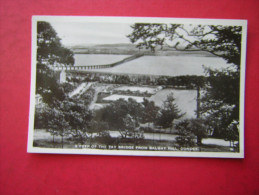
(168, 113)
(192, 127)
(116, 112)
(222, 41)
(49, 48)
(50, 52)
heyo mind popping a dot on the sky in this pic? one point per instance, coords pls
(87, 33)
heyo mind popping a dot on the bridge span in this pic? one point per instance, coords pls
(91, 67)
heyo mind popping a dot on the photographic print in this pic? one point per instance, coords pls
(137, 86)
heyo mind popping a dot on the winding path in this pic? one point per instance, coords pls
(80, 89)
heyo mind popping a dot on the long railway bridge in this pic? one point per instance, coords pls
(91, 67)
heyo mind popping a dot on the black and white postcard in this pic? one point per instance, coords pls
(137, 86)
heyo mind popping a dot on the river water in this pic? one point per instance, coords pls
(154, 65)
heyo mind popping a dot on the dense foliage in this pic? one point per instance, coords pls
(50, 52)
(222, 41)
(49, 48)
(190, 128)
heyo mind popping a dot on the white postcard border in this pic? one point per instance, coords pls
(32, 149)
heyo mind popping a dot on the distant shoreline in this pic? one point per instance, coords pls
(158, 53)
(130, 49)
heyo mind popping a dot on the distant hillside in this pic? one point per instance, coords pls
(130, 49)
(106, 49)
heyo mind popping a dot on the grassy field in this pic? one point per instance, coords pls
(184, 99)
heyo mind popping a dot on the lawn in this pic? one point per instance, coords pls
(184, 99)
(125, 97)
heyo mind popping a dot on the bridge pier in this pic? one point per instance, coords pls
(62, 77)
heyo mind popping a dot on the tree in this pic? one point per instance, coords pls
(77, 115)
(57, 125)
(232, 134)
(50, 52)
(123, 116)
(105, 138)
(67, 117)
(41, 116)
(97, 127)
(220, 103)
(222, 87)
(150, 111)
(148, 35)
(219, 40)
(185, 138)
(168, 113)
(49, 48)
(190, 127)
(130, 126)
(114, 113)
